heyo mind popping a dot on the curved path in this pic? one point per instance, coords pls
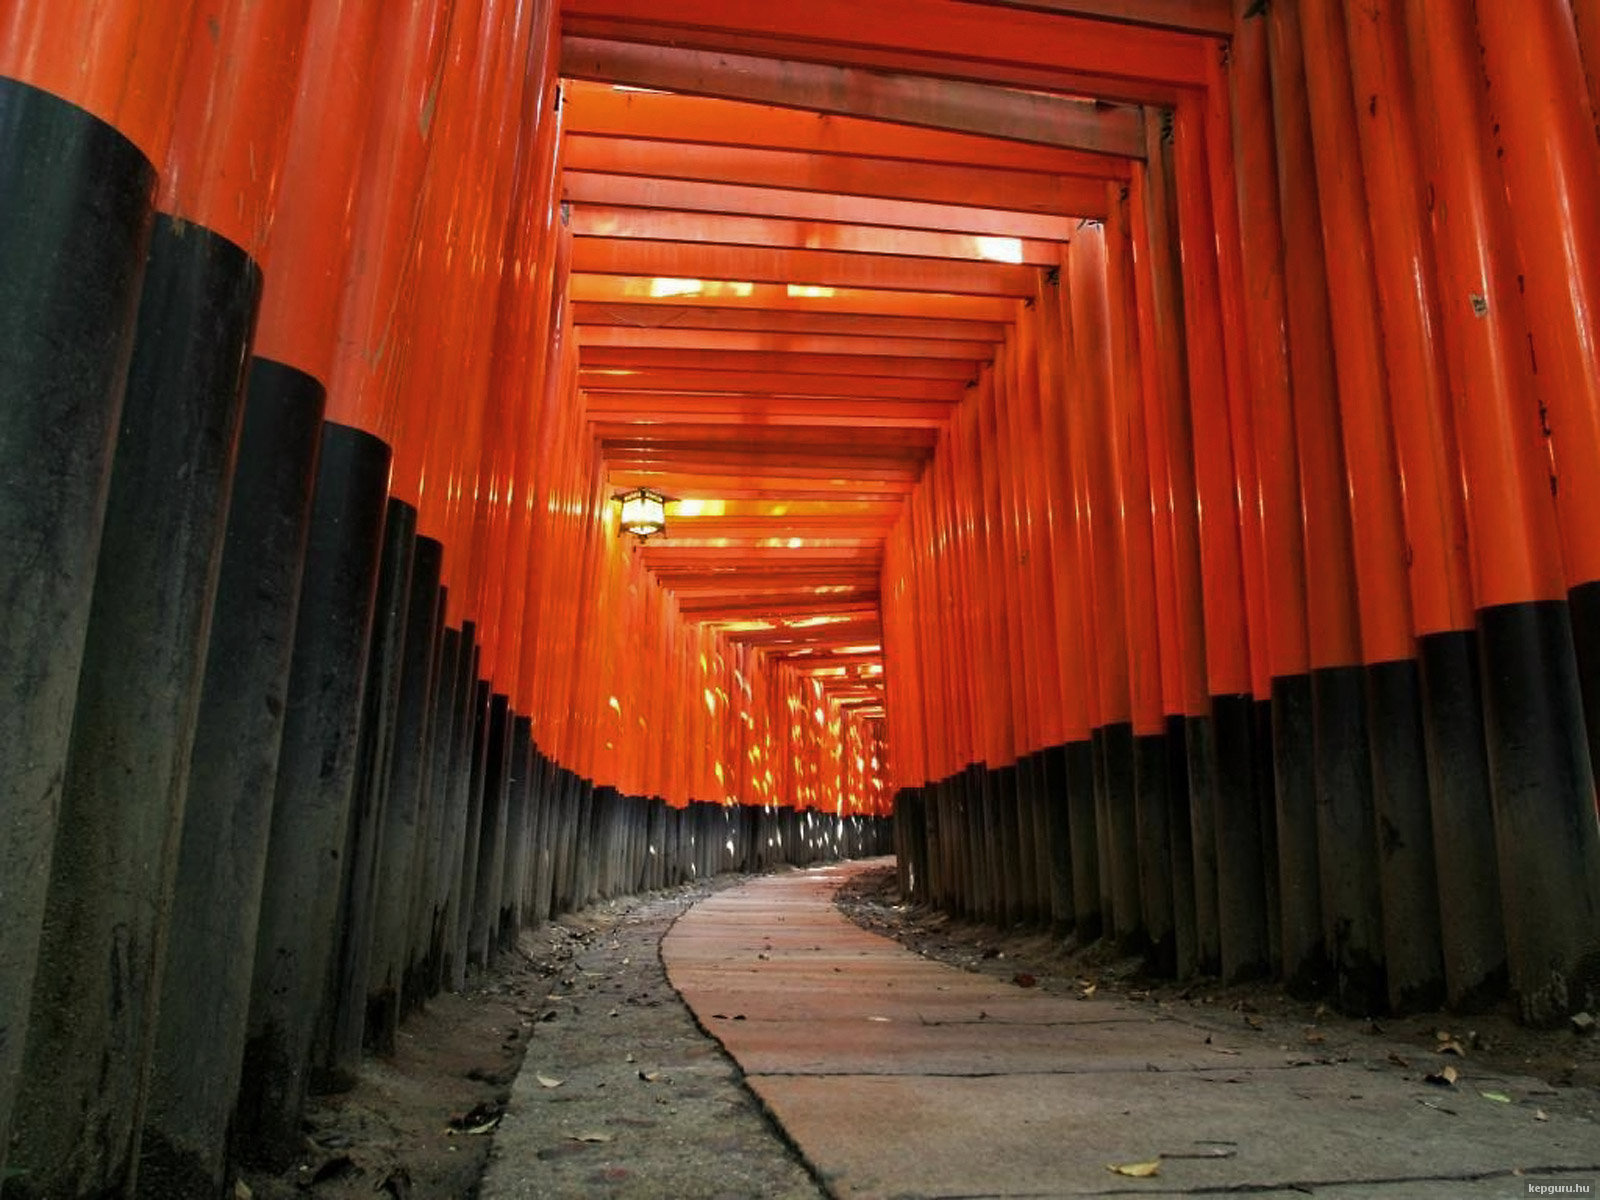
(900, 1077)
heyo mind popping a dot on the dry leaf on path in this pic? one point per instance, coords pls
(589, 1137)
(546, 1082)
(1444, 1077)
(1136, 1170)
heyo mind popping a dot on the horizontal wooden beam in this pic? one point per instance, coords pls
(653, 224)
(702, 358)
(633, 408)
(747, 294)
(769, 383)
(806, 268)
(689, 195)
(950, 30)
(972, 108)
(622, 318)
(1213, 17)
(872, 178)
(595, 337)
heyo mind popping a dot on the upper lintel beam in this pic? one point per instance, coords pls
(961, 107)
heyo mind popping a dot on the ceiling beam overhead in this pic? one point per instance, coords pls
(1085, 46)
(681, 292)
(653, 224)
(700, 358)
(623, 319)
(872, 178)
(810, 411)
(1213, 17)
(804, 268)
(973, 108)
(689, 195)
(592, 338)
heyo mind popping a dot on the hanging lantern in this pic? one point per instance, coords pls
(644, 513)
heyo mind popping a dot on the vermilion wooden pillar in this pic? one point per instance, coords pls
(1539, 769)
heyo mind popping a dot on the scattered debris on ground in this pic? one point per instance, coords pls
(585, 1000)
(1494, 1042)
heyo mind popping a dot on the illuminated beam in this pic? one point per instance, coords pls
(873, 178)
(774, 383)
(806, 268)
(857, 472)
(631, 408)
(784, 297)
(591, 338)
(707, 609)
(760, 487)
(971, 108)
(664, 317)
(615, 221)
(800, 437)
(694, 358)
(689, 195)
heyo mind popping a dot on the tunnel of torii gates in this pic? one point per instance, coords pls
(1137, 459)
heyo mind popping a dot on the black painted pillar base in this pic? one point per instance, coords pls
(1304, 956)
(1407, 877)
(222, 854)
(296, 938)
(1544, 798)
(1472, 930)
(76, 199)
(1200, 743)
(1055, 800)
(1153, 818)
(362, 861)
(1180, 828)
(1088, 916)
(1241, 874)
(1347, 840)
(93, 1016)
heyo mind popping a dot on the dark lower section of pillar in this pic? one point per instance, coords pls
(1200, 744)
(1472, 930)
(401, 859)
(488, 873)
(92, 1029)
(1544, 798)
(1407, 876)
(345, 1014)
(1089, 916)
(222, 852)
(1303, 953)
(1241, 873)
(1059, 827)
(298, 927)
(1264, 782)
(1153, 812)
(1352, 915)
(465, 889)
(1120, 838)
(1181, 830)
(1583, 607)
(75, 218)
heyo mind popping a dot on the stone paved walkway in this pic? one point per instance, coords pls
(899, 1077)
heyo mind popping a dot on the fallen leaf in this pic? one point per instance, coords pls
(1314, 1037)
(486, 1127)
(1451, 1048)
(241, 1190)
(1398, 1061)
(1023, 980)
(1136, 1170)
(546, 1081)
(1539, 1114)
(1087, 992)
(1497, 1097)
(1254, 1022)
(589, 1137)
(1444, 1077)
(649, 1076)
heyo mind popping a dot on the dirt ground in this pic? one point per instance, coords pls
(1491, 1041)
(624, 1097)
